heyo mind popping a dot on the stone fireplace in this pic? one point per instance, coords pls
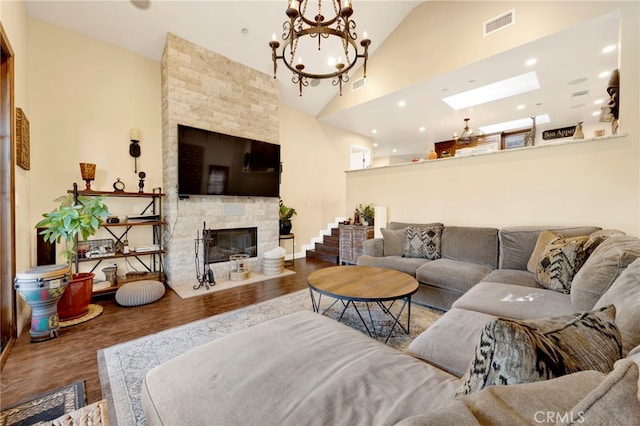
(205, 90)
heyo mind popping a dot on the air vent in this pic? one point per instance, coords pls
(358, 84)
(500, 22)
(580, 93)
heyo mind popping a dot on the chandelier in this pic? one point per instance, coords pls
(467, 135)
(299, 35)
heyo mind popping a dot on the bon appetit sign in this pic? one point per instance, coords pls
(565, 132)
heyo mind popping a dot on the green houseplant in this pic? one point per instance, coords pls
(74, 219)
(286, 213)
(366, 213)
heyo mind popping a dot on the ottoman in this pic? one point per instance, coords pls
(139, 293)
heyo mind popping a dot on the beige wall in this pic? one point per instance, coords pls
(594, 183)
(314, 158)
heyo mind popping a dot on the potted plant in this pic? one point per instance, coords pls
(286, 213)
(75, 218)
(366, 213)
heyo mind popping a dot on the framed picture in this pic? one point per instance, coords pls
(22, 140)
(513, 139)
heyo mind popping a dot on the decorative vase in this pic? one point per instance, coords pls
(74, 303)
(578, 133)
(432, 155)
(88, 171)
(285, 226)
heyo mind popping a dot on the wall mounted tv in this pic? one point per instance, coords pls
(211, 163)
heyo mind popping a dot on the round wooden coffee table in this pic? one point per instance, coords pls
(369, 284)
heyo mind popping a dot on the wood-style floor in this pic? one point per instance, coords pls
(34, 368)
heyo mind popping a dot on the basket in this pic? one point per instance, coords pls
(273, 266)
(96, 248)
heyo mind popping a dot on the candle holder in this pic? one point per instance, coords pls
(88, 171)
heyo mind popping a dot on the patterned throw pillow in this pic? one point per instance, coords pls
(511, 352)
(422, 242)
(561, 259)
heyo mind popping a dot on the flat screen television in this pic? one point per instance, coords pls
(211, 163)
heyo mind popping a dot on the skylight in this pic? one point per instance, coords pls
(492, 92)
(521, 123)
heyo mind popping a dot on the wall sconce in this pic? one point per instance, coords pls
(134, 148)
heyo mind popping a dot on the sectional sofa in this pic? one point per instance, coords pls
(503, 353)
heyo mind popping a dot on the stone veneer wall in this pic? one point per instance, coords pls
(206, 90)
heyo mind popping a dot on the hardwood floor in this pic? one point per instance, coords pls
(33, 368)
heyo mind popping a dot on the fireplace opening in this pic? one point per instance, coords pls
(226, 242)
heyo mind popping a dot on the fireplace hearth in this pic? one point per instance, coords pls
(223, 243)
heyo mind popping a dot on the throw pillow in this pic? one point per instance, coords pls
(536, 256)
(561, 259)
(393, 241)
(423, 242)
(511, 352)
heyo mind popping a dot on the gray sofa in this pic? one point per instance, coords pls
(469, 255)
(306, 369)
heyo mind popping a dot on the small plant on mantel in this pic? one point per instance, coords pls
(286, 213)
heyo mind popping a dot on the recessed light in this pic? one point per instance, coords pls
(595, 113)
(331, 61)
(395, 150)
(401, 104)
(609, 49)
(422, 129)
(604, 74)
(598, 101)
(374, 131)
(531, 62)
(519, 107)
(375, 145)
(491, 92)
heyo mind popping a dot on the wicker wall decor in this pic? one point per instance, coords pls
(22, 140)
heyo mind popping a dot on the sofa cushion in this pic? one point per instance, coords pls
(471, 244)
(603, 267)
(517, 302)
(399, 263)
(513, 277)
(526, 403)
(449, 343)
(422, 242)
(517, 242)
(393, 241)
(614, 401)
(511, 352)
(451, 275)
(257, 377)
(624, 293)
(561, 259)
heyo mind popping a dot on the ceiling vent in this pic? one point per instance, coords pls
(358, 84)
(500, 22)
(580, 93)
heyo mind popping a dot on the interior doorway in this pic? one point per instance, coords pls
(8, 330)
(360, 157)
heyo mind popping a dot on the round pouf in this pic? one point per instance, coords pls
(139, 293)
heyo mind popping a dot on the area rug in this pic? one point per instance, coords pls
(122, 367)
(186, 291)
(93, 312)
(45, 407)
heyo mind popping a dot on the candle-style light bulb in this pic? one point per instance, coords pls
(364, 34)
(273, 36)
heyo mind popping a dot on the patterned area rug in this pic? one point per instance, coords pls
(45, 407)
(123, 366)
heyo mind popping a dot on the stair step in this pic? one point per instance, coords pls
(330, 240)
(327, 248)
(327, 257)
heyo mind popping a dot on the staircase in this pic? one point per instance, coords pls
(329, 249)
